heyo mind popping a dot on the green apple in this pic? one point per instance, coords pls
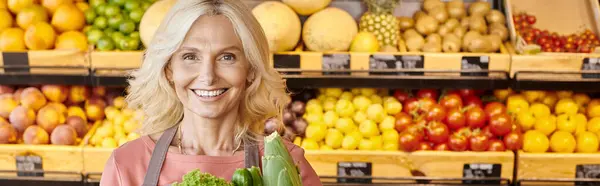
(376, 112)
(361, 102)
(344, 108)
(392, 107)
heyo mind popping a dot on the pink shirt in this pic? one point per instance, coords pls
(127, 165)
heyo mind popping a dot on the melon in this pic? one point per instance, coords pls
(307, 7)
(280, 23)
(329, 30)
(152, 18)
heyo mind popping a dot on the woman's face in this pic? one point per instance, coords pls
(210, 70)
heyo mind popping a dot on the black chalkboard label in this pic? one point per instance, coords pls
(336, 62)
(19, 59)
(28, 163)
(482, 170)
(591, 64)
(587, 171)
(395, 62)
(289, 61)
(354, 169)
(475, 63)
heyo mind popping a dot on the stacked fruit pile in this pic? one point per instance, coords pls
(584, 42)
(51, 24)
(560, 121)
(114, 24)
(118, 127)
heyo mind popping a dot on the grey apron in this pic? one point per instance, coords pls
(251, 156)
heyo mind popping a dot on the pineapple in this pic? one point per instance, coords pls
(380, 21)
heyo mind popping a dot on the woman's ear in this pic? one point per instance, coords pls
(250, 76)
(169, 74)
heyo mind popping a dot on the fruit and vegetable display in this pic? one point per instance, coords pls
(278, 168)
(51, 114)
(548, 41)
(42, 25)
(118, 126)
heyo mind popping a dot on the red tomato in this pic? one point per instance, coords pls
(401, 95)
(500, 124)
(475, 117)
(494, 108)
(513, 140)
(467, 92)
(479, 142)
(458, 142)
(472, 100)
(425, 104)
(451, 101)
(410, 105)
(435, 113)
(408, 142)
(428, 93)
(441, 147)
(486, 131)
(455, 119)
(417, 130)
(496, 145)
(425, 146)
(403, 120)
(437, 132)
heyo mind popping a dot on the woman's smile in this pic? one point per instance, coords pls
(210, 95)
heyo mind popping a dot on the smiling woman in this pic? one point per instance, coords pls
(206, 89)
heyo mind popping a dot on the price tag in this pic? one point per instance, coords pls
(482, 170)
(590, 64)
(336, 62)
(475, 63)
(587, 171)
(354, 169)
(287, 61)
(29, 163)
(20, 59)
(397, 62)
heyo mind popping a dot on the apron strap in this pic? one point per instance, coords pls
(158, 157)
(251, 155)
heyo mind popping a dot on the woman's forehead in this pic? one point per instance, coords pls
(212, 31)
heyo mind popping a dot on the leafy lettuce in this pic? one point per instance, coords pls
(197, 178)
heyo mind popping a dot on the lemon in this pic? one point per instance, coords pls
(11, 39)
(15, 6)
(359, 116)
(316, 132)
(329, 103)
(72, 40)
(333, 92)
(329, 118)
(344, 108)
(392, 106)
(388, 123)
(298, 141)
(375, 112)
(365, 144)
(563, 142)
(325, 147)
(364, 42)
(314, 117)
(350, 142)
(68, 18)
(109, 143)
(361, 102)
(535, 141)
(123, 141)
(367, 91)
(6, 20)
(3, 4)
(356, 134)
(314, 106)
(377, 142)
(119, 119)
(30, 15)
(334, 138)
(376, 99)
(133, 136)
(390, 146)
(581, 121)
(368, 128)
(346, 125)
(40, 36)
(390, 136)
(347, 95)
(309, 144)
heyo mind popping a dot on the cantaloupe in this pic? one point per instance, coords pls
(307, 7)
(152, 18)
(280, 24)
(331, 29)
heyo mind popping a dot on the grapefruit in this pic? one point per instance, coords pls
(280, 24)
(3, 4)
(40, 36)
(30, 15)
(67, 18)
(52, 5)
(72, 40)
(6, 20)
(15, 6)
(152, 18)
(364, 42)
(11, 39)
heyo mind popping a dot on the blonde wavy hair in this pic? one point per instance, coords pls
(150, 91)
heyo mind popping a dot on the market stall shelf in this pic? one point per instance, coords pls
(557, 168)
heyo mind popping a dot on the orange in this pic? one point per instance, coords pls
(72, 40)
(6, 20)
(40, 36)
(536, 142)
(67, 18)
(83, 6)
(3, 4)
(15, 6)
(11, 39)
(52, 5)
(30, 15)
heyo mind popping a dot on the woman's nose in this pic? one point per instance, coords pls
(207, 74)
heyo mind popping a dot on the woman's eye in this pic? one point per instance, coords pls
(228, 57)
(189, 57)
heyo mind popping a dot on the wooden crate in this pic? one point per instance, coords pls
(400, 164)
(47, 58)
(115, 63)
(552, 165)
(94, 158)
(55, 158)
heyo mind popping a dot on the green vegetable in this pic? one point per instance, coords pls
(256, 176)
(247, 177)
(278, 166)
(197, 178)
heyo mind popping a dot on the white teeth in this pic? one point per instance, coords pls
(209, 93)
